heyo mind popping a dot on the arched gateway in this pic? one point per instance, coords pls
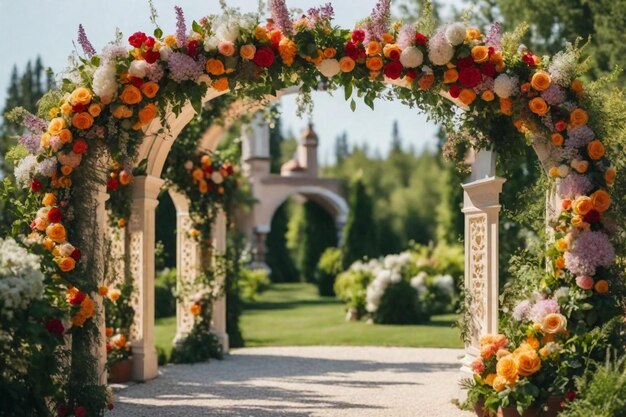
(127, 107)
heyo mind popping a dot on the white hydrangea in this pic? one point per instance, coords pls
(329, 67)
(445, 283)
(561, 293)
(24, 170)
(21, 281)
(105, 81)
(411, 57)
(166, 51)
(456, 33)
(504, 86)
(138, 68)
(440, 52)
(210, 43)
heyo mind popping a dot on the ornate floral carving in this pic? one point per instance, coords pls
(478, 274)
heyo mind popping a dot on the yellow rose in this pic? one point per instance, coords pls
(56, 232)
(467, 96)
(82, 120)
(480, 54)
(609, 175)
(554, 323)
(47, 243)
(67, 264)
(533, 342)
(507, 368)
(538, 106)
(582, 205)
(489, 379)
(540, 81)
(373, 48)
(220, 84)
(595, 149)
(130, 95)
(346, 64)
(80, 96)
(578, 221)
(66, 109)
(56, 125)
(260, 33)
(49, 200)
(247, 52)
(561, 245)
(149, 89)
(578, 117)
(374, 63)
(215, 66)
(473, 33)
(148, 113)
(528, 362)
(601, 200)
(450, 76)
(499, 383)
(170, 40)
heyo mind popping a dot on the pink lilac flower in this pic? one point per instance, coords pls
(521, 310)
(493, 36)
(590, 250)
(379, 20)
(31, 142)
(406, 36)
(282, 17)
(579, 136)
(154, 72)
(55, 143)
(324, 13)
(542, 308)
(88, 48)
(181, 27)
(575, 185)
(554, 95)
(47, 167)
(183, 67)
(547, 121)
(112, 52)
(34, 124)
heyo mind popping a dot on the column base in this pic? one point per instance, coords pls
(145, 362)
(465, 371)
(223, 340)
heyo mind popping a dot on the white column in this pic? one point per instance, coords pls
(142, 240)
(219, 305)
(99, 320)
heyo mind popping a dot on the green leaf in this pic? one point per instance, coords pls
(158, 33)
(197, 28)
(353, 105)
(348, 90)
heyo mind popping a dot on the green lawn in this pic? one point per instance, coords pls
(294, 315)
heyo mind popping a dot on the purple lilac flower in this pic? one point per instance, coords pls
(575, 185)
(579, 136)
(321, 14)
(542, 308)
(589, 251)
(281, 17)
(31, 142)
(327, 12)
(154, 72)
(88, 48)
(183, 67)
(493, 36)
(547, 121)
(554, 95)
(35, 124)
(181, 27)
(569, 106)
(47, 167)
(379, 20)
(521, 310)
(406, 36)
(485, 84)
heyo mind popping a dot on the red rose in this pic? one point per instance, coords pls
(570, 395)
(351, 51)
(395, 55)
(560, 126)
(79, 146)
(109, 347)
(80, 411)
(55, 215)
(362, 55)
(488, 69)
(491, 50)
(62, 410)
(77, 298)
(454, 91)
(264, 57)
(470, 77)
(55, 326)
(149, 42)
(529, 59)
(79, 108)
(151, 56)
(136, 81)
(411, 73)
(112, 184)
(593, 216)
(137, 39)
(393, 70)
(35, 186)
(75, 254)
(192, 48)
(358, 36)
(464, 63)
(229, 168)
(420, 39)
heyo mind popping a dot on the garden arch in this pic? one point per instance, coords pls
(256, 60)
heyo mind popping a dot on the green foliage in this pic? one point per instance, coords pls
(351, 287)
(329, 266)
(253, 282)
(401, 305)
(277, 256)
(164, 293)
(199, 345)
(359, 235)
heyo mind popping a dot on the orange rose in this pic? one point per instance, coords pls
(577, 87)
(247, 52)
(66, 109)
(554, 323)
(220, 84)
(56, 125)
(195, 309)
(487, 95)
(130, 95)
(65, 135)
(540, 81)
(557, 139)
(287, 50)
(260, 33)
(559, 262)
(581, 166)
(67, 264)
(95, 109)
(56, 232)
(148, 113)
(215, 66)
(122, 112)
(114, 294)
(150, 89)
(506, 106)
(480, 54)
(601, 201)
(81, 95)
(450, 76)
(528, 362)
(609, 175)
(473, 34)
(108, 331)
(49, 200)
(595, 149)
(533, 342)
(496, 57)
(103, 290)
(578, 221)
(387, 38)
(499, 383)
(373, 48)
(538, 106)
(467, 96)
(330, 53)
(582, 205)
(390, 49)
(374, 63)
(203, 187)
(346, 64)
(426, 81)
(82, 120)
(578, 117)
(275, 36)
(601, 287)
(507, 368)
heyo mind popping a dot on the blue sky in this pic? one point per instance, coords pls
(48, 28)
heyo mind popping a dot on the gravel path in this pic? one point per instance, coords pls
(303, 382)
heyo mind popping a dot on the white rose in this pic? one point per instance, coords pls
(217, 178)
(456, 33)
(563, 171)
(329, 68)
(411, 57)
(165, 52)
(138, 68)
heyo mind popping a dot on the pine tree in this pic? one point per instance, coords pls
(360, 232)
(342, 150)
(396, 139)
(319, 233)
(276, 139)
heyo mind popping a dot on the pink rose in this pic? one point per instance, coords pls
(585, 282)
(478, 366)
(226, 48)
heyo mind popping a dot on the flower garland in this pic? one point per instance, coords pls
(108, 99)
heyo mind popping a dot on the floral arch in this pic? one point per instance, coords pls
(111, 126)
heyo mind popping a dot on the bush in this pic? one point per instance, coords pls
(329, 266)
(401, 304)
(351, 287)
(199, 345)
(164, 293)
(253, 282)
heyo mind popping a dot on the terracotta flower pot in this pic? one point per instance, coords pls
(553, 408)
(480, 410)
(120, 371)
